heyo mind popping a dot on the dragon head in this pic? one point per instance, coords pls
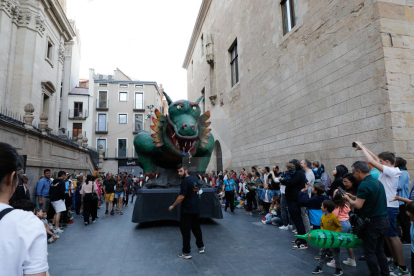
(184, 129)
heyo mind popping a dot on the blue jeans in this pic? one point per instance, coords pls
(73, 202)
(346, 227)
(270, 219)
(373, 237)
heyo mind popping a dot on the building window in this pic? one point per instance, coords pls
(103, 143)
(203, 101)
(202, 45)
(139, 100)
(139, 86)
(139, 122)
(288, 15)
(123, 85)
(102, 125)
(77, 129)
(103, 85)
(103, 99)
(49, 53)
(122, 118)
(78, 109)
(123, 96)
(234, 63)
(122, 148)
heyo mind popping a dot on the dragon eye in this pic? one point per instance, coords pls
(178, 107)
(194, 107)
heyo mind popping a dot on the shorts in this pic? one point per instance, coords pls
(59, 206)
(392, 217)
(109, 197)
(346, 227)
(260, 202)
(119, 195)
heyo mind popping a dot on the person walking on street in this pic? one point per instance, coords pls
(190, 212)
(119, 194)
(128, 185)
(42, 191)
(109, 185)
(88, 188)
(57, 199)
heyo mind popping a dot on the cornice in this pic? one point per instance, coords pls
(205, 5)
(58, 16)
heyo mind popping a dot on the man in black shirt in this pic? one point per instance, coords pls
(190, 212)
(109, 184)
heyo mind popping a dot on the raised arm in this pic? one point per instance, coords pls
(370, 157)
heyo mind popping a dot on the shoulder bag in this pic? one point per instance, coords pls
(358, 223)
(94, 195)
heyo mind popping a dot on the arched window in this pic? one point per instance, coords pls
(219, 158)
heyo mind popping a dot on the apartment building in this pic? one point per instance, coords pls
(121, 107)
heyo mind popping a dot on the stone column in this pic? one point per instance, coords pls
(43, 123)
(85, 142)
(28, 117)
(80, 137)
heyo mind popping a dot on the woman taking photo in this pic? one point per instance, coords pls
(119, 194)
(23, 240)
(89, 204)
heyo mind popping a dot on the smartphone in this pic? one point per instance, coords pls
(354, 145)
(343, 192)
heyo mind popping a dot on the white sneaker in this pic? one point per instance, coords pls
(264, 222)
(284, 227)
(51, 240)
(250, 213)
(58, 230)
(350, 262)
(290, 226)
(331, 264)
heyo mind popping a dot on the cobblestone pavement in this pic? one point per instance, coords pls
(236, 245)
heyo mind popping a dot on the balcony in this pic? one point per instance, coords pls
(78, 114)
(102, 105)
(121, 153)
(74, 135)
(101, 128)
(139, 106)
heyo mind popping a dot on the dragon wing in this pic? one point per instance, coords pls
(158, 127)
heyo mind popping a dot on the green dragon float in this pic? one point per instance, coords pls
(181, 136)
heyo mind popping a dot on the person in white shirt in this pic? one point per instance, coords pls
(307, 168)
(23, 239)
(389, 177)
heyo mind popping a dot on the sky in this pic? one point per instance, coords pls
(145, 39)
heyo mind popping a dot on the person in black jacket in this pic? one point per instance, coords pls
(19, 193)
(57, 198)
(338, 173)
(293, 187)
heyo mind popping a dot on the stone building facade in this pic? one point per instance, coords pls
(119, 110)
(312, 76)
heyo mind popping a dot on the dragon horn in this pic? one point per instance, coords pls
(169, 101)
(199, 99)
(157, 113)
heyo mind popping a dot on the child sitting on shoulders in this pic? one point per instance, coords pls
(287, 175)
(274, 216)
(314, 203)
(317, 171)
(329, 222)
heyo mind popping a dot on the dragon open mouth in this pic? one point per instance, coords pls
(181, 143)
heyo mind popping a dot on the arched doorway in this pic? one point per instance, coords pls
(219, 158)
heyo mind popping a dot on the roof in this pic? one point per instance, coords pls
(123, 73)
(79, 91)
(205, 5)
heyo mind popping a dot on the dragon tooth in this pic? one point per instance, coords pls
(173, 135)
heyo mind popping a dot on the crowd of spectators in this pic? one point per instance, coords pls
(303, 197)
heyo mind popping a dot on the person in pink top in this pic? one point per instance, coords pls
(342, 209)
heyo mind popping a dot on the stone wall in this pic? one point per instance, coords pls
(45, 152)
(334, 78)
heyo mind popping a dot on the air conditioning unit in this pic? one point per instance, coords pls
(110, 77)
(101, 77)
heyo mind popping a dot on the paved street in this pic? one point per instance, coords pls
(236, 245)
